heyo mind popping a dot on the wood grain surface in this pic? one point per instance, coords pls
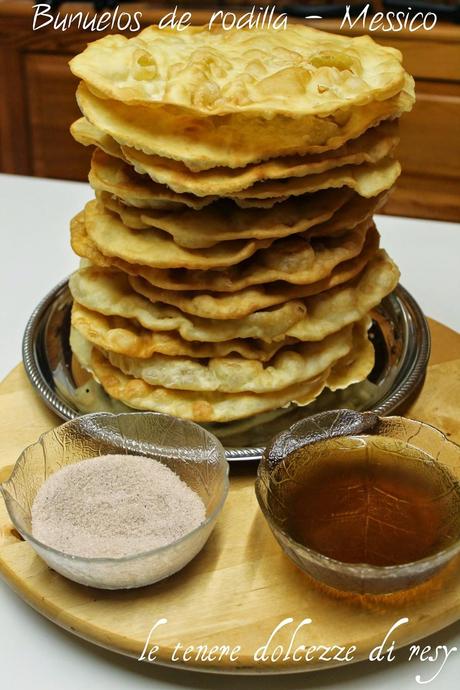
(241, 586)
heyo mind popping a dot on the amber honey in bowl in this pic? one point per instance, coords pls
(369, 499)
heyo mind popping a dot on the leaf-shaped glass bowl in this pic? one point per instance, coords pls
(295, 453)
(186, 448)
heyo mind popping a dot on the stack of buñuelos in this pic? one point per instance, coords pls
(230, 259)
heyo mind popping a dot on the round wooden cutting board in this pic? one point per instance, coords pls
(237, 591)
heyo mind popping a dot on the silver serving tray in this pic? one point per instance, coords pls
(399, 333)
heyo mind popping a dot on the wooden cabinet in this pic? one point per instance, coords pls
(430, 154)
(37, 105)
(430, 134)
(53, 152)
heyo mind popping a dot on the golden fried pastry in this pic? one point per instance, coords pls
(202, 406)
(235, 374)
(298, 71)
(108, 292)
(297, 260)
(224, 220)
(156, 248)
(371, 147)
(112, 175)
(230, 263)
(235, 305)
(233, 141)
(126, 337)
(366, 180)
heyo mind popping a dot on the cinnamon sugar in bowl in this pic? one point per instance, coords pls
(156, 467)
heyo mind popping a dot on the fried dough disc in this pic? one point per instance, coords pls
(112, 175)
(235, 374)
(360, 238)
(296, 259)
(108, 292)
(87, 134)
(297, 71)
(224, 220)
(237, 140)
(221, 305)
(156, 248)
(331, 310)
(195, 405)
(370, 147)
(366, 180)
(222, 407)
(126, 337)
(236, 305)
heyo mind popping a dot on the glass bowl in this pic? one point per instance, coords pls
(413, 447)
(187, 449)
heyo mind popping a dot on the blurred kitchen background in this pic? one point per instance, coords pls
(37, 94)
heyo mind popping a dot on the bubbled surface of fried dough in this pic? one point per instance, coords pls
(108, 292)
(112, 175)
(156, 248)
(203, 406)
(234, 374)
(224, 220)
(367, 180)
(297, 260)
(235, 305)
(237, 140)
(230, 264)
(126, 337)
(259, 72)
(323, 214)
(370, 147)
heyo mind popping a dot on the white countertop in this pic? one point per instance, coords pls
(35, 255)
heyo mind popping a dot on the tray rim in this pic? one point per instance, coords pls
(411, 313)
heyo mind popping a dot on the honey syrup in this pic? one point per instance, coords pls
(366, 500)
